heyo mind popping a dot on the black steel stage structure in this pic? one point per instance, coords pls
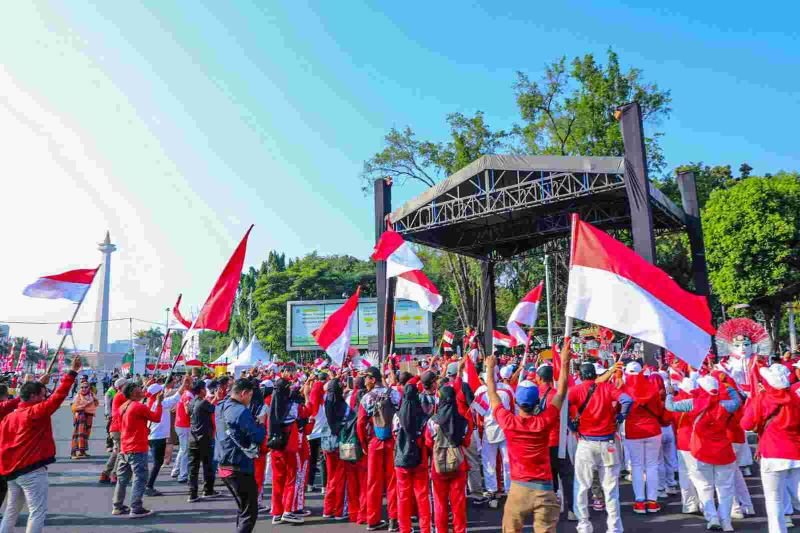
(501, 207)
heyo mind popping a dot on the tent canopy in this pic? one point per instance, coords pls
(228, 356)
(253, 355)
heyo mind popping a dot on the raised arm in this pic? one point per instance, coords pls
(491, 387)
(734, 402)
(563, 377)
(683, 406)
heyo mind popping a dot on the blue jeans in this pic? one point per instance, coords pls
(131, 465)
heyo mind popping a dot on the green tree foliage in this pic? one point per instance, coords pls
(154, 339)
(752, 233)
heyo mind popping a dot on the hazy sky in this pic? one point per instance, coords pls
(175, 125)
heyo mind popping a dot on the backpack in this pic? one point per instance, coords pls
(447, 458)
(349, 447)
(383, 411)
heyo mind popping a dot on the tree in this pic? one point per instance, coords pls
(752, 232)
(707, 180)
(570, 111)
(153, 337)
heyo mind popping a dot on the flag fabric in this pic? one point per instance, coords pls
(23, 355)
(447, 347)
(612, 286)
(60, 362)
(415, 286)
(10, 360)
(525, 313)
(470, 374)
(71, 285)
(320, 363)
(65, 328)
(216, 312)
(448, 337)
(333, 335)
(165, 358)
(501, 339)
(397, 253)
(182, 323)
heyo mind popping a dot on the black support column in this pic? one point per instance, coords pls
(688, 187)
(385, 290)
(488, 303)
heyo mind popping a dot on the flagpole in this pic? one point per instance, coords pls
(74, 314)
(547, 293)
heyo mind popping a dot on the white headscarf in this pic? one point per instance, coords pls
(776, 376)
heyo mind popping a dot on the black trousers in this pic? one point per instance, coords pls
(563, 468)
(157, 448)
(202, 454)
(3, 490)
(245, 491)
(314, 462)
(109, 440)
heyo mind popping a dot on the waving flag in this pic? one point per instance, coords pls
(525, 313)
(501, 339)
(333, 335)
(65, 328)
(179, 322)
(60, 362)
(415, 286)
(397, 253)
(448, 337)
(71, 285)
(23, 355)
(612, 286)
(470, 374)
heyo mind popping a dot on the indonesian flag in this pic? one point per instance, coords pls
(525, 313)
(470, 374)
(612, 286)
(165, 359)
(216, 312)
(320, 363)
(60, 362)
(501, 339)
(416, 286)
(70, 285)
(23, 355)
(65, 328)
(447, 347)
(333, 335)
(448, 337)
(182, 323)
(397, 253)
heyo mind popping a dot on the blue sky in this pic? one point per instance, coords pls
(177, 124)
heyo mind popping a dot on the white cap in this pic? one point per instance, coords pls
(709, 384)
(507, 371)
(268, 383)
(776, 376)
(633, 368)
(120, 383)
(599, 369)
(155, 388)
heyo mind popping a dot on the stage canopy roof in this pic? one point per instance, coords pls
(501, 206)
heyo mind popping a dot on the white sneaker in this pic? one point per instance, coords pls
(662, 495)
(713, 525)
(727, 526)
(571, 517)
(748, 511)
(737, 514)
(672, 491)
(789, 523)
(692, 509)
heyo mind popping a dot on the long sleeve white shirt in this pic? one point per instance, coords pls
(160, 430)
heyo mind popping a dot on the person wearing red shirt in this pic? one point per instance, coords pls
(183, 426)
(598, 446)
(108, 475)
(711, 448)
(774, 414)
(528, 437)
(27, 444)
(6, 406)
(643, 438)
(450, 426)
(134, 446)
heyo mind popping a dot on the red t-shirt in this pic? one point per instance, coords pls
(599, 416)
(555, 432)
(134, 431)
(118, 400)
(527, 439)
(182, 419)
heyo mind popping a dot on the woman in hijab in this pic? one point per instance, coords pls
(448, 427)
(411, 462)
(715, 461)
(84, 407)
(284, 442)
(335, 409)
(356, 472)
(775, 415)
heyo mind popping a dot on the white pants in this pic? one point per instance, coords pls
(689, 499)
(744, 455)
(489, 458)
(643, 454)
(710, 478)
(668, 460)
(741, 492)
(605, 458)
(181, 467)
(776, 486)
(30, 488)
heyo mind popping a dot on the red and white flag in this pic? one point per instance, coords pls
(612, 286)
(470, 374)
(179, 321)
(60, 362)
(71, 285)
(501, 339)
(320, 363)
(525, 313)
(65, 328)
(397, 253)
(23, 355)
(448, 337)
(333, 335)
(416, 286)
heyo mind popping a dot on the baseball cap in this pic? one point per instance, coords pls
(155, 388)
(452, 369)
(527, 394)
(507, 371)
(633, 368)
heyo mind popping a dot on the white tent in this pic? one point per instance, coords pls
(228, 356)
(253, 355)
(242, 345)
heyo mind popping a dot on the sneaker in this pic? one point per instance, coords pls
(327, 515)
(124, 510)
(174, 474)
(183, 481)
(212, 494)
(480, 500)
(494, 503)
(394, 527)
(672, 491)
(139, 513)
(639, 508)
(292, 518)
(152, 492)
(303, 512)
(571, 517)
(277, 519)
(105, 479)
(662, 494)
(193, 498)
(789, 523)
(727, 526)
(653, 507)
(746, 472)
(737, 514)
(692, 509)
(376, 527)
(598, 504)
(748, 511)
(340, 518)
(713, 525)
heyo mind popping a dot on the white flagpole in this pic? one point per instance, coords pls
(568, 322)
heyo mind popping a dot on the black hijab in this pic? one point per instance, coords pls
(448, 418)
(335, 406)
(412, 417)
(279, 407)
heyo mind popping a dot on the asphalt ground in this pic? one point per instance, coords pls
(78, 503)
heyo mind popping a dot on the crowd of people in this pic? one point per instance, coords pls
(546, 440)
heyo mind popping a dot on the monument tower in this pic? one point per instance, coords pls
(101, 327)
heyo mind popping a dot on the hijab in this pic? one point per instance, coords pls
(279, 407)
(448, 418)
(335, 406)
(412, 417)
